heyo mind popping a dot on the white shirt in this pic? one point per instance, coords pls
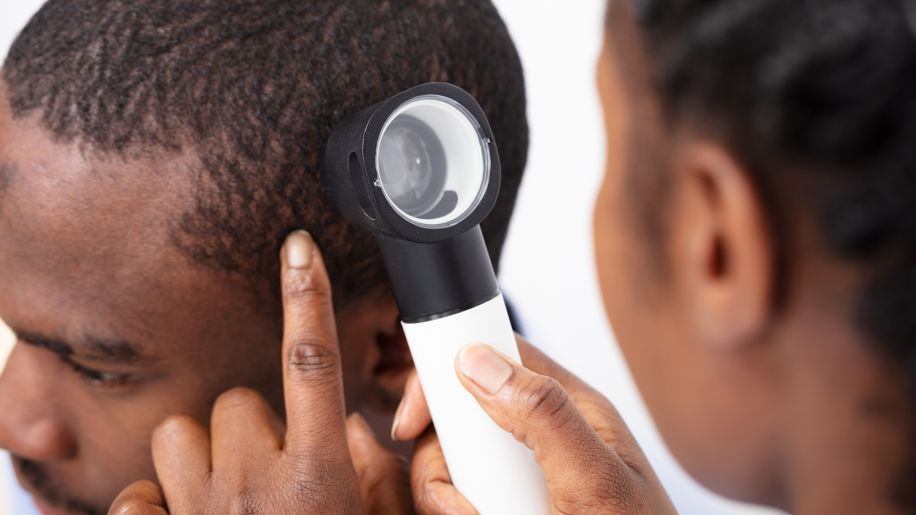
(13, 499)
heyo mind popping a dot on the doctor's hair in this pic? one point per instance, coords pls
(817, 99)
(252, 89)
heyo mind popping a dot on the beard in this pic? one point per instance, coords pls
(45, 488)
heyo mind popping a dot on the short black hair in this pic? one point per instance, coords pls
(253, 88)
(817, 98)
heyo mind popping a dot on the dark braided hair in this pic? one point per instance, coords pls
(253, 88)
(816, 97)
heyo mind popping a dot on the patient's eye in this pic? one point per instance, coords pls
(98, 378)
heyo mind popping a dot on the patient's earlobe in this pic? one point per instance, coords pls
(721, 237)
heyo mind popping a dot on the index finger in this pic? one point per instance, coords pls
(536, 361)
(595, 407)
(312, 384)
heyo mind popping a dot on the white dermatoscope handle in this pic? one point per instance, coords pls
(494, 471)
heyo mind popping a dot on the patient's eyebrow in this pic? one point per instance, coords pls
(89, 347)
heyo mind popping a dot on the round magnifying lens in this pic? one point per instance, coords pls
(433, 163)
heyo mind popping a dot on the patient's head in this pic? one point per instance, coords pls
(756, 239)
(153, 156)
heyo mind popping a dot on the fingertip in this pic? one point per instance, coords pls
(171, 428)
(180, 444)
(303, 273)
(142, 497)
(357, 423)
(412, 417)
(360, 434)
(396, 423)
(367, 453)
(298, 250)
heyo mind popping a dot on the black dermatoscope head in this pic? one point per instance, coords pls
(421, 171)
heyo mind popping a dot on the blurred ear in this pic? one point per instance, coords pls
(721, 247)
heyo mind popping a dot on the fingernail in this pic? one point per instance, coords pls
(397, 420)
(299, 249)
(481, 364)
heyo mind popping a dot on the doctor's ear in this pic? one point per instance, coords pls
(721, 245)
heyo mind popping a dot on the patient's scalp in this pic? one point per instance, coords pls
(253, 89)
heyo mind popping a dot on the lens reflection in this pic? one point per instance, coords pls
(412, 166)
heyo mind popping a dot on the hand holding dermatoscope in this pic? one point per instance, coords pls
(421, 171)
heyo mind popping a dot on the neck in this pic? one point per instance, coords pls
(847, 435)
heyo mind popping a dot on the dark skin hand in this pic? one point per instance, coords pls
(250, 461)
(590, 459)
(322, 463)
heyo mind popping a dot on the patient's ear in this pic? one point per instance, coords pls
(394, 355)
(721, 246)
(388, 358)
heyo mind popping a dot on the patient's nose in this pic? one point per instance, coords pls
(30, 425)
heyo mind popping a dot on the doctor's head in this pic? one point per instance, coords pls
(756, 234)
(153, 157)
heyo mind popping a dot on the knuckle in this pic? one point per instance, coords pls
(245, 503)
(237, 399)
(172, 426)
(424, 480)
(300, 284)
(418, 482)
(424, 497)
(307, 490)
(423, 502)
(309, 357)
(611, 489)
(319, 491)
(544, 398)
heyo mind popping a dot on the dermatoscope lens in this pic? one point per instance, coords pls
(433, 163)
(412, 166)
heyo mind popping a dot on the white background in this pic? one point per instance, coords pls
(547, 270)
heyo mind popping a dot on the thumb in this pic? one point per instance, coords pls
(539, 412)
(384, 481)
